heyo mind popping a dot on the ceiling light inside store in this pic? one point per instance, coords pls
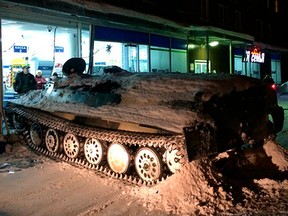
(214, 43)
(191, 46)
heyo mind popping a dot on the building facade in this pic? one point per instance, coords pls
(201, 36)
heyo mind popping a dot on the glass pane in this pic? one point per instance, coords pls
(276, 71)
(238, 66)
(143, 58)
(85, 47)
(255, 70)
(201, 66)
(179, 61)
(106, 54)
(21, 45)
(159, 60)
(130, 60)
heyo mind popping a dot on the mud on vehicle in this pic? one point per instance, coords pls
(143, 127)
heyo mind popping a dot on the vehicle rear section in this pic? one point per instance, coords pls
(240, 118)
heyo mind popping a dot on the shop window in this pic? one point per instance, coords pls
(128, 56)
(135, 57)
(106, 54)
(43, 47)
(276, 70)
(143, 58)
(85, 43)
(178, 60)
(238, 65)
(201, 66)
(160, 59)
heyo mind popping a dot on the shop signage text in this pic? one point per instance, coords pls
(20, 49)
(255, 55)
(59, 49)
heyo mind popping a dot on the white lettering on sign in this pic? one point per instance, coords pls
(247, 58)
(258, 57)
(20, 47)
(254, 56)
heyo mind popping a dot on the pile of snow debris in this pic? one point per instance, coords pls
(201, 188)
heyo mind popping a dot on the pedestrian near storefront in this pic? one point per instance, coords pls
(24, 81)
(41, 81)
(268, 79)
(54, 77)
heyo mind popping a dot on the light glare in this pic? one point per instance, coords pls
(214, 43)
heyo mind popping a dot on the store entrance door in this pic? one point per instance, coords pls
(201, 66)
(131, 57)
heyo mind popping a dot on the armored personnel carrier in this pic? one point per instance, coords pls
(143, 127)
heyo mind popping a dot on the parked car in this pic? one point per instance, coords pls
(283, 88)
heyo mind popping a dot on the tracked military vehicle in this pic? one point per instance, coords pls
(143, 127)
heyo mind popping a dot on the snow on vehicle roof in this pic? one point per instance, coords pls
(146, 98)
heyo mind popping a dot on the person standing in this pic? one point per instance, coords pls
(41, 81)
(268, 79)
(24, 81)
(54, 77)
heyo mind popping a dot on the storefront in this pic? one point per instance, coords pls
(256, 62)
(138, 51)
(45, 39)
(46, 47)
(42, 47)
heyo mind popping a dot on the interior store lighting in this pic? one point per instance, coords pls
(214, 43)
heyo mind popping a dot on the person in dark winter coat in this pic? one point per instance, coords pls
(24, 81)
(41, 81)
(268, 79)
(54, 77)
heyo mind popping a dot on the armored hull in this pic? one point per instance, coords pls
(143, 127)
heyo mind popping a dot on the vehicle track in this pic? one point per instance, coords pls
(162, 143)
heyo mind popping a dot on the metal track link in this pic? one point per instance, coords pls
(124, 137)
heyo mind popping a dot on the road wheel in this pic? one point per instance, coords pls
(71, 145)
(94, 151)
(17, 121)
(173, 158)
(36, 134)
(118, 158)
(52, 141)
(148, 164)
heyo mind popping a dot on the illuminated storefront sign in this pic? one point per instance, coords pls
(20, 49)
(59, 49)
(254, 55)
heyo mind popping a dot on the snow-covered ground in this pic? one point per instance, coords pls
(35, 185)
